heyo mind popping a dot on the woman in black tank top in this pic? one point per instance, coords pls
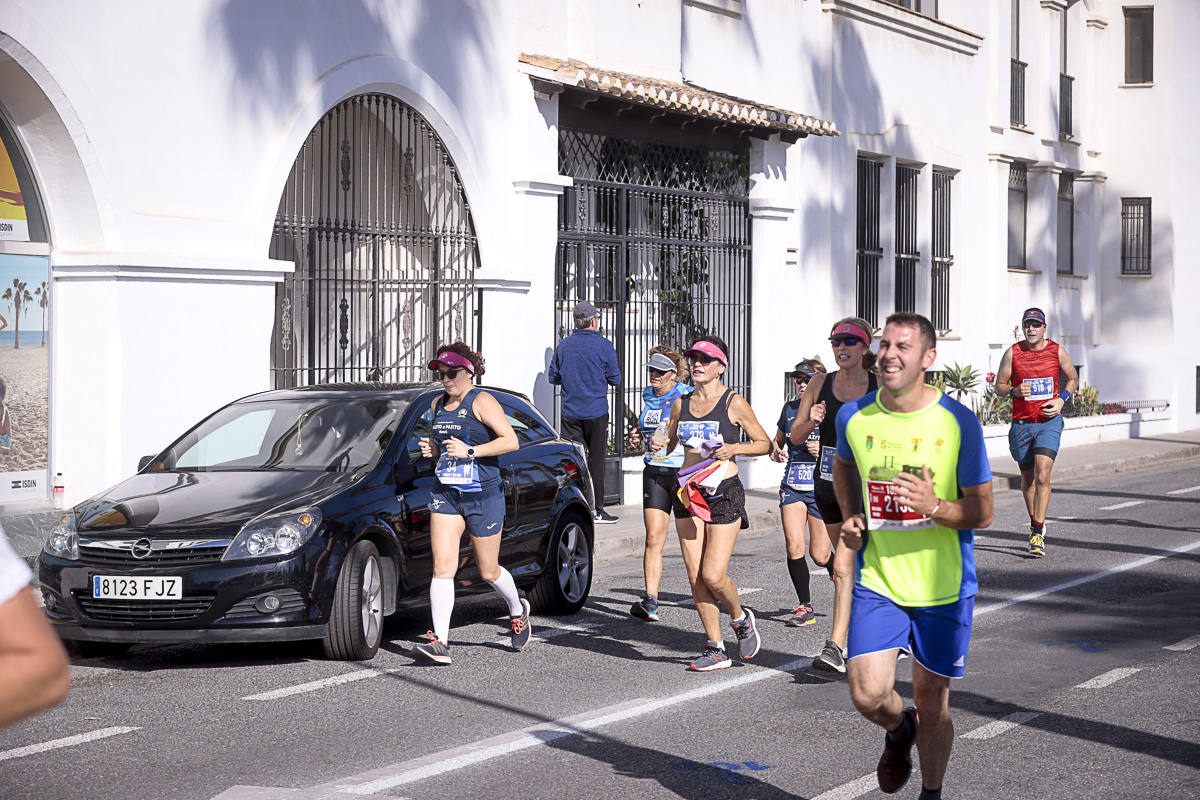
(851, 342)
(714, 412)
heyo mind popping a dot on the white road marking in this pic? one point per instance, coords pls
(1095, 576)
(742, 592)
(456, 758)
(1061, 519)
(867, 783)
(1185, 644)
(851, 790)
(1126, 504)
(550, 633)
(1188, 490)
(312, 686)
(69, 741)
(1108, 678)
(993, 729)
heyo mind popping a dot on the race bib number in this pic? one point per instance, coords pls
(800, 476)
(693, 433)
(888, 513)
(1039, 388)
(827, 454)
(456, 471)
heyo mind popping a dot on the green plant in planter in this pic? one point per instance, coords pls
(1085, 403)
(960, 380)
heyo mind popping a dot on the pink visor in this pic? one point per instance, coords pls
(709, 349)
(850, 329)
(448, 358)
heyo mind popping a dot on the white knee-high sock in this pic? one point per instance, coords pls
(508, 590)
(441, 603)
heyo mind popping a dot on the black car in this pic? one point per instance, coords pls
(302, 514)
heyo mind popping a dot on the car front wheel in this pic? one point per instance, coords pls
(567, 579)
(356, 624)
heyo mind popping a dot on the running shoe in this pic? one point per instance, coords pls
(712, 658)
(434, 650)
(747, 634)
(602, 517)
(1037, 545)
(831, 658)
(802, 615)
(895, 765)
(521, 628)
(646, 608)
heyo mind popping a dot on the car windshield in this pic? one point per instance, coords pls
(320, 434)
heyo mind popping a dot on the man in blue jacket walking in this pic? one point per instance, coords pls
(585, 365)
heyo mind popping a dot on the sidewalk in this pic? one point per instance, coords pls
(626, 538)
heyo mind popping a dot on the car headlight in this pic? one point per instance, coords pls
(276, 535)
(64, 539)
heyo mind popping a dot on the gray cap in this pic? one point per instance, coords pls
(662, 363)
(584, 311)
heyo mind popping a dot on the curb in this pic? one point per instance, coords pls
(1006, 480)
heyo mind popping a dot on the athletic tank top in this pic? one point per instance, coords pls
(462, 424)
(1038, 368)
(824, 479)
(656, 410)
(713, 425)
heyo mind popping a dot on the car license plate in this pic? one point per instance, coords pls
(136, 587)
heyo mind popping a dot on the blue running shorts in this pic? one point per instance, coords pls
(483, 511)
(788, 495)
(1027, 439)
(937, 637)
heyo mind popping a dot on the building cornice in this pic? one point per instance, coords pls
(912, 24)
(123, 266)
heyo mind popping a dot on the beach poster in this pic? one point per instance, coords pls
(24, 378)
(13, 223)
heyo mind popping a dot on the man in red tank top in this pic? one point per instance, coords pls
(1029, 374)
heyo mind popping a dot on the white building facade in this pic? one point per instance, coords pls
(232, 196)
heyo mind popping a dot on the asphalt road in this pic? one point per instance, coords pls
(1082, 682)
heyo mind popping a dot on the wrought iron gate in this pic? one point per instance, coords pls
(375, 218)
(657, 236)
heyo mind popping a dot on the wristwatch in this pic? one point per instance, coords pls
(470, 452)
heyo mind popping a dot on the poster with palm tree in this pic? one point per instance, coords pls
(24, 378)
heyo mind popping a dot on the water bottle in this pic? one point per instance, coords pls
(660, 433)
(58, 491)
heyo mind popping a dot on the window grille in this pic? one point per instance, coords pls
(1018, 196)
(943, 258)
(867, 241)
(1066, 223)
(907, 255)
(1135, 236)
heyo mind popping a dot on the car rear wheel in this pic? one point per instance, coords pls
(567, 579)
(356, 624)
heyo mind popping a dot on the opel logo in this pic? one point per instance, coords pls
(141, 548)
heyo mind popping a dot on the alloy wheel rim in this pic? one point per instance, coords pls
(371, 602)
(574, 564)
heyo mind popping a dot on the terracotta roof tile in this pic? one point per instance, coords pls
(684, 98)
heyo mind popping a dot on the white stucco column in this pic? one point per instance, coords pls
(771, 212)
(1044, 96)
(1089, 208)
(924, 304)
(1089, 125)
(1041, 226)
(998, 324)
(887, 240)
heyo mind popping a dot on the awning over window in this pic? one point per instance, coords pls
(679, 98)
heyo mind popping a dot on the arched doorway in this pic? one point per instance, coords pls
(376, 220)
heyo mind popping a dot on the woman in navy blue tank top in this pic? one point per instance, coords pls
(470, 429)
(850, 339)
(709, 423)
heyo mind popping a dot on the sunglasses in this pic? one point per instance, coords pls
(450, 373)
(801, 378)
(656, 373)
(844, 341)
(1032, 323)
(700, 359)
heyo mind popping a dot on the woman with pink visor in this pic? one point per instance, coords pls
(470, 429)
(709, 423)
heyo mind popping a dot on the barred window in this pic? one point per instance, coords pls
(869, 250)
(1066, 223)
(943, 256)
(1018, 200)
(907, 254)
(1135, 236)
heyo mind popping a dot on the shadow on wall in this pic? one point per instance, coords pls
(280, 48)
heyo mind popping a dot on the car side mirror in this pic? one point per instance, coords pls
(144, 462)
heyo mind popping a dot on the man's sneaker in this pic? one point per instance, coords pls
(520, 627)
(747, 634)
(831, 658)
(602, 517)
(434, 650)
(712, 658)
(1037, 544)
(802, 615)
(895, 765)
(646, 608)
